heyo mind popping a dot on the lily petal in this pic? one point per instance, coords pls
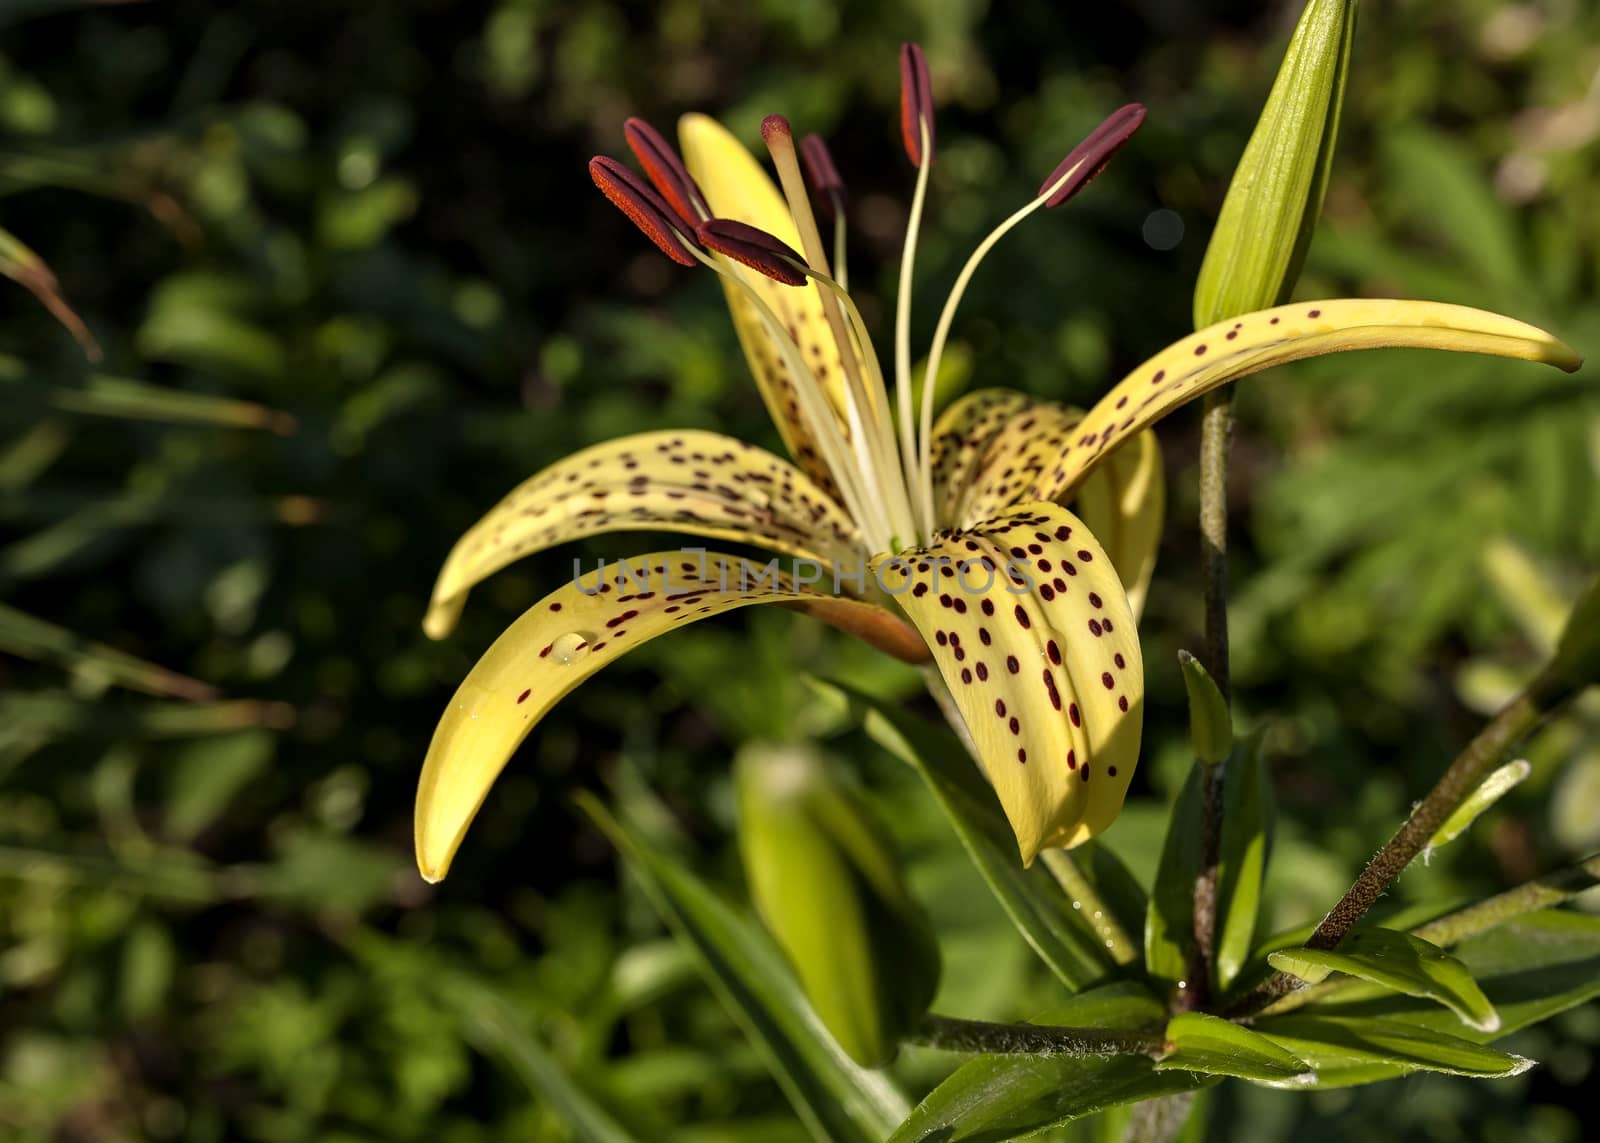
(1031, 631)
(1123, 501)
(1232, 349)
(737, 187)
(961, 438)
(700, 483)
(556, 645)
(1019, 457)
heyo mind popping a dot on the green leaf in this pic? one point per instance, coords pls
(1266, 223)
(493, 1031)
(1531, 968)
(994, 1098)
(31, 638)
(1041, 912)
(1496, 786)
(1242, 858)
(1399, 961)
(838, 1101)
(1210, 1044)
(1210, 723)
(1577, 660)
(1346, 1050)
(1169, 922)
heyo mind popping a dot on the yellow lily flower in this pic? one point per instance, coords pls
(941, 542)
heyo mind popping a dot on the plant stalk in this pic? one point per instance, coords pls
(953, 1034)
(1216, 435)
(1465, 775)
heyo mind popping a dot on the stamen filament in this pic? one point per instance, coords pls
(902, 345)
(841, 273)
(924, 480)
(887, 477)
(817, 411)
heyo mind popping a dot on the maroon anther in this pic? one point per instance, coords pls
(666, 170)
(824, 176)
(755, 248)
(1094, 152)
(916, 102)
(644, 207)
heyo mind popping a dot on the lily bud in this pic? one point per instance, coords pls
(829, 888)
(1272, 206)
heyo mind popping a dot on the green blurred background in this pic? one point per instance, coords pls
(374, 219)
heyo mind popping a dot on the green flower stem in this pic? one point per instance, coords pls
(1216, 434)
(952, 1034)
(1529, 897)
(1464, 776)
(1064, 868)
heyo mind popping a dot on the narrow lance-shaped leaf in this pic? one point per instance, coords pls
(700, 483)
(1229, 350)
(28, 270)
(1032, 633)
(1399, 961)
(1268, 218)
(1169, 923)
(1496, 786)
(1242, 857)
(1360, 1050)
(560, 642)
(1060, 935)
(1202, 1043)
(838, 1101)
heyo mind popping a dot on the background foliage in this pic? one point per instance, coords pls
(371, 223)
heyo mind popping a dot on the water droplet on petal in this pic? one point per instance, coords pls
(567, 648)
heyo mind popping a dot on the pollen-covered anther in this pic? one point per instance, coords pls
(666, 171)
(823, 175)
(753, 247)
(916, 103)
(644, 207)
(1090, 157)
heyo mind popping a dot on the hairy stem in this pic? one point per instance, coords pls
(953, 1034)
(1464, 776)
(1216, 434)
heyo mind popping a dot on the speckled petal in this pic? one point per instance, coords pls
(701, 483)
(737, 187)
(1123, 501)
(1030, 629)
(961, 439)
(1019, 458)
(559, 643)
(1232, 349)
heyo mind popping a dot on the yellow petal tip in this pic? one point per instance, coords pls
(442, 617)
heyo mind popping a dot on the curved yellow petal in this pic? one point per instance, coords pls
(1025, 453)
(737, 187)
(1232, 349)
(556, 645)
(701, 483)
(961, 438)
(1031, 631)
(1124, 501)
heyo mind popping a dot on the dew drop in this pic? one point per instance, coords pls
(568, 647)
(1077, 904)
(1183, 984)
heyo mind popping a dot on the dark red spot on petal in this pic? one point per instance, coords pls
(523, 697)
